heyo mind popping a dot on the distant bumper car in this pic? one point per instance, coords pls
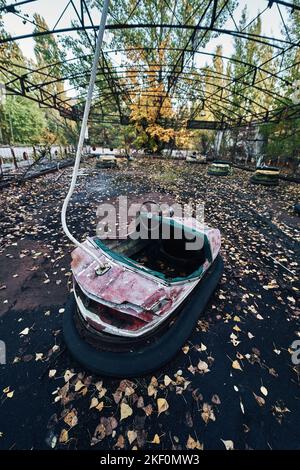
(196, 159)
(267, 176)
(106, 161)
(219, 168)
(134, 316)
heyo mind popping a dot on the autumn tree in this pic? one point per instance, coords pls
(158, 99)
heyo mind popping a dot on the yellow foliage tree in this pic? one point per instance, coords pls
(156, 119)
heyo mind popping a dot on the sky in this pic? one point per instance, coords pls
(51, 9)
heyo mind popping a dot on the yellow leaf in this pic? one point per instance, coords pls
(131, 435)
(125, 411)
(167, 380)
(152, 387)
(10, 394)
(6, 390)
(162, 405)
(185, 349)
(79, 385)
(94, 402)
(236, 365)
(236, 328)
(156, 439)
(68, 375)
(236, 318)
(203, 367)
(71, 418)
(100, 406)
(64, 436)
(129, 391)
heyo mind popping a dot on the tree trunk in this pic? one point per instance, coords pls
(14, 158)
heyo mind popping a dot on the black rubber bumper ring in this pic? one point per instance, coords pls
(153, 355)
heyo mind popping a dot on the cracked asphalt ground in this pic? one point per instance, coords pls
(233, 385)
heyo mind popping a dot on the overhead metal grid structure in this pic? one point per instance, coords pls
(206, 98)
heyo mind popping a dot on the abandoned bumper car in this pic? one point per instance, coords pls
(106, 161)
(266, 175)
(133, 314)
(219, 168)
(194, 158)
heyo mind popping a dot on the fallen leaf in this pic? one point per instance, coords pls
(52, 373)
(242, 407)
(140, 402)
(94, 402)
(260, 400)
(152, 387)
(120, 442)
(167, 380)
(264, 391)
(64, 436)
(125, 411)
(236, 365)
(162, 405)
(117, 396)
(148, 410)
(207, 413)
(71, 418)
(78, 386)
(100, 406)
(228, 445)
(131, 436)
(156, 439)
(24, 332)
(203, 367)
(68, 375)
(102, 392)
(216, 400)
(192, 444)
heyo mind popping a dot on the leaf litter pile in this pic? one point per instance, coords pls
(233, 385)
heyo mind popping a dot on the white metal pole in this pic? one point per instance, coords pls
(83, 132)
